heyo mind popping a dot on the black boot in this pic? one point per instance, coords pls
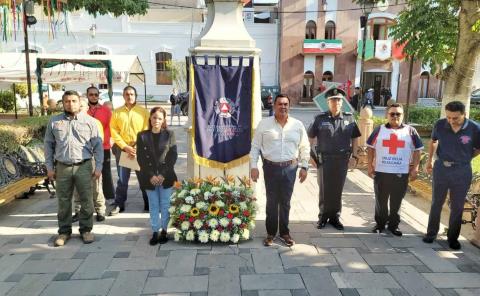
(154, 239)
(163, 237)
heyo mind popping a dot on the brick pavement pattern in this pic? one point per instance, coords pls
(323, 262)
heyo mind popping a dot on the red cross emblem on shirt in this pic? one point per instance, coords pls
(393, 144)
(224, 107)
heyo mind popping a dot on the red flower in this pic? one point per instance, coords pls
(191, 219)
(202, 215)
(246, 213)
(220, 228)
(221, 212)
(230, 216)
(243, 225)
(181, 217)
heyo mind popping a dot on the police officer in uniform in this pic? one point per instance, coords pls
(336, 135)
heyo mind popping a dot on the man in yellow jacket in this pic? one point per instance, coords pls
(127, 121)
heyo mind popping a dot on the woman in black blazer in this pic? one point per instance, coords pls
(156, 155)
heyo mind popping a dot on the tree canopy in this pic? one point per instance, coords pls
(94, 7)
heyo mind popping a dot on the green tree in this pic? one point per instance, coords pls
(179, 74)
(7, 101)
(442, 32)
(21, 89)
(94, 7)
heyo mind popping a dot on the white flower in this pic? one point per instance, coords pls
(214, 235)
(246, 234)
(224, 222)
(215, 189)
(202, 205)
(213, 223)
(235, 238)
(224, 236)
(251, 224)
(236, 193)
(177, 236)
(227, 187)
(171, 210)
(195, 191)
(207, 195)
(243, 205)
(220, 203)
(185, 225)
(203, 236)
(190, 235)
(189, 200)
(236, 221)
(198, 224)
(185, 208)
(182, 193)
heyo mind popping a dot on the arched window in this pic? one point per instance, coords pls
(308, 85)
(330, 30)
(164, 74)
(99, 52)
(423, 85)
(311, 30)
(327, 76)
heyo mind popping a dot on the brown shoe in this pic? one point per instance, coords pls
(61, 240)
(268, 242)
(287, 240)
(88, 237)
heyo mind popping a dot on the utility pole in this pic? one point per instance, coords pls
(27, 60)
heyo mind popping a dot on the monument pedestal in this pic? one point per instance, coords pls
(225, 35)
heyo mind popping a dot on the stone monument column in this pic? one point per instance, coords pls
(225, 35)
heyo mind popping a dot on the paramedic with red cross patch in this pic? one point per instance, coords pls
(393, 156)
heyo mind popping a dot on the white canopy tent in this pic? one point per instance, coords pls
(126, 69)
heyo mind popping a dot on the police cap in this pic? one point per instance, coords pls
(335, 93)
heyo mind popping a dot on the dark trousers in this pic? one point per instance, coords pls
(279, 183)
(393, 186)
(122, 183)
(107, 180)
(456, 180)
(334, 172)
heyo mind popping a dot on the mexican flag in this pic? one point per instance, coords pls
(322, 46)
(368, 49)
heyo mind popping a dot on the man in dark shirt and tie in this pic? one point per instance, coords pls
(71, 141)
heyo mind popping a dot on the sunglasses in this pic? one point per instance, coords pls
(93, 95)
(395, 114)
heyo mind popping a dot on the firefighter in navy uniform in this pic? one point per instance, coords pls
(334, 140)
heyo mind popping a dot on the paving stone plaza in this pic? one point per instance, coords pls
(324, 262)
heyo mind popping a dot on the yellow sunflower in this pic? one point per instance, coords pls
(213, 209)
(194, 212)
(233, 208)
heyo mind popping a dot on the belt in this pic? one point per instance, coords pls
(73, 164)
(280, 163)
(338, 155)
(448, 164)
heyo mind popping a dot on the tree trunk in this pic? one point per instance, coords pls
(459, 78)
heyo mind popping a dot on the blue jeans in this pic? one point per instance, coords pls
(159, 200)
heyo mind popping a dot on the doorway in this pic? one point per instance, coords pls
(378, 81)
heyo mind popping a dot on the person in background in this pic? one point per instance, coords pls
(157, 154)
(175, 106)
(356, 98)
(71, 141)
(393, 158)
(98, 197)
(455, 141)
(127, 121)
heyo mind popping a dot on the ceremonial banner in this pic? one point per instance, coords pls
(383, 49)
(221, 100)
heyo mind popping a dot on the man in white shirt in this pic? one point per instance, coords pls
(282, 142)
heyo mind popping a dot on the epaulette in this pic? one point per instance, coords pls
(347, 113)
